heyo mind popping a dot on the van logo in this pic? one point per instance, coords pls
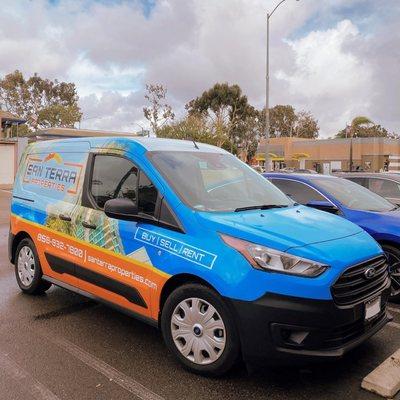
(53, 156)
(369, 273)
(51, 172)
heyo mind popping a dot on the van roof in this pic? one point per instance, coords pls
(136, 143)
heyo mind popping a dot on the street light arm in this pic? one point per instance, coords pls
(269, 15)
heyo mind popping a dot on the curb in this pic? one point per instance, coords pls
(385, 379)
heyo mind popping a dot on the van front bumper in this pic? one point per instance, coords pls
(281, 329)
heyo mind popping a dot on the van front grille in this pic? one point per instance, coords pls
(361, 282)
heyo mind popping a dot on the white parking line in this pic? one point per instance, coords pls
(394, 325)
(22, 378)
(395, 310)
(107, 370)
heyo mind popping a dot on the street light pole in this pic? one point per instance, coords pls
(141, 127)
(267, 164)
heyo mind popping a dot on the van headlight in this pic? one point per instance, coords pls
(266, 259)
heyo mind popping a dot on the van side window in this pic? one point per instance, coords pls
(147, 195)
(113, 177)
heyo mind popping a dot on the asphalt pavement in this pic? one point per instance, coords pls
(64, 346)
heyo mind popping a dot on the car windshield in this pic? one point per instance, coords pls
(353, 195)
(216, 181)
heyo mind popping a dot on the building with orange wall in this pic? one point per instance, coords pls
(326, 155)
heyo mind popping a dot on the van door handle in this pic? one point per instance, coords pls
(64, 217)
(88, 225)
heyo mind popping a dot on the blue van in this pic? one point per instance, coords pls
(191, 240)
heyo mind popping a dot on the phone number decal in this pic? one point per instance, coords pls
(58, 244)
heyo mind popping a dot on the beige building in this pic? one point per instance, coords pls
(8, 148)
(7, 122)
(12, 148)
(326, 155)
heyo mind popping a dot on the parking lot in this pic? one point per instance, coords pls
(63, 346)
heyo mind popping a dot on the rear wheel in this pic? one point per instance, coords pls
(28, 270)
(393, 255)
(199, 330)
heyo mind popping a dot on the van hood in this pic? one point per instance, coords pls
(280, 228)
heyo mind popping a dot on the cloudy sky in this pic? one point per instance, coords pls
(335, 58)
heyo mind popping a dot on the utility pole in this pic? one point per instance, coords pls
(349, 132)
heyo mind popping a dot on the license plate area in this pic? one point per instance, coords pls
(372, 308)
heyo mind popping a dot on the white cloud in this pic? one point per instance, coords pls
(341, 66)
(94, 79)
(330, 79)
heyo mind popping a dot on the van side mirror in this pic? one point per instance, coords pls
(122, 208)
(323, 206)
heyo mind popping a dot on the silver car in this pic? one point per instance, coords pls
(385, 184)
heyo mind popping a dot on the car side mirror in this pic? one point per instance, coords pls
(323, 206)
(122, 208)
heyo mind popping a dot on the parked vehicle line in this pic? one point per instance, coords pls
(23, 379)
(118, 377)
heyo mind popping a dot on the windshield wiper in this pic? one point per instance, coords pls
(262, 207)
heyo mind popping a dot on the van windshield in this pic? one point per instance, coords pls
(216, 181)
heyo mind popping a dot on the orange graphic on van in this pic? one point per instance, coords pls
(53, 156)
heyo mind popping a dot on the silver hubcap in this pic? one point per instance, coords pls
(26, 265)
(198, 331)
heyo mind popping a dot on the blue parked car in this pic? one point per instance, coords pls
(379, 217)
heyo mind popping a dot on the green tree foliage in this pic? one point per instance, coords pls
(42, 102)
(286, 122)
(363, 127)
(247, 132)
(158, 112)
(282, 120)
(306, 125)
(192, 127)
(361, 121)
(222, 107)
(223, 117)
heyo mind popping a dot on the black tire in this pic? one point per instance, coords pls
(229, 354)
(33, 285)
(393, 255)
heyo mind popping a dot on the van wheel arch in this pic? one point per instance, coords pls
(16, 241)
(176, 281)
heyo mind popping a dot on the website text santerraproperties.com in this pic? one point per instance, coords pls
(121, 271)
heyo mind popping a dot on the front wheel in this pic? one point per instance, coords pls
(393, 256)
(28, 270)
(199, 330)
